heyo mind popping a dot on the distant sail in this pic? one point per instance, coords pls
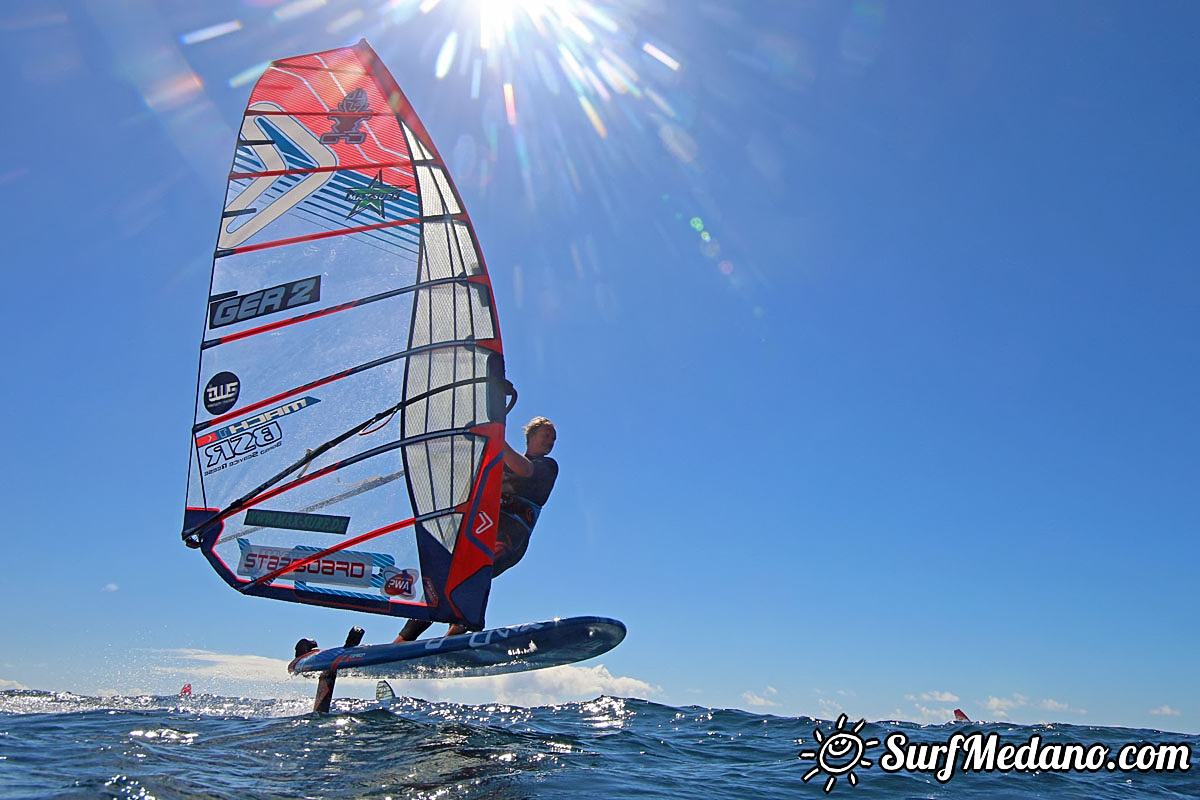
(350, 406)
(384, 692)
(186, 690)
(959, 716)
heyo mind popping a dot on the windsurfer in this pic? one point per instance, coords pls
(528, 480)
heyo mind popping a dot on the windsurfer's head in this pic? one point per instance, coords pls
(539, 437)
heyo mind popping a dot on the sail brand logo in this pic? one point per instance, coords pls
(353, 108)
(373, 196)
(221, 393)
(227, 310)
(298, 521)
(401, 584)
(237, 449)
(249, 423)
(341, 569)
(484, 638)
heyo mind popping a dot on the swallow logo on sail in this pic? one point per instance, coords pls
(353, 109)
(374, 196)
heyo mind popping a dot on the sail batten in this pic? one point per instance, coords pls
(310, 170)
(450, 345)
(350, 358)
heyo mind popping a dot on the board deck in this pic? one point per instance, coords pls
(532, 645)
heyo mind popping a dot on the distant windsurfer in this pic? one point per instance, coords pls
(528, 480)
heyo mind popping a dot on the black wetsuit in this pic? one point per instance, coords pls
(520, 504)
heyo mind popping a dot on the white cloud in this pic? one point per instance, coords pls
(929, 715)
(1165, 711)
(538, 687)
(109, 587)
(756, 700)
(1003, 705)
(228, 666)
(829, 709)
(4, 684)
(1055, 705)
(935, 697)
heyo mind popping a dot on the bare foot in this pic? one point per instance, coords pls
(455, 630)
(399, 640)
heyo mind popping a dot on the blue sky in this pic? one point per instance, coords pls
(869, 330)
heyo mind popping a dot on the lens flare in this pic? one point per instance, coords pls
(445, 57)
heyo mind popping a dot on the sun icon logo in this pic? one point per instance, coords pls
(840, 753)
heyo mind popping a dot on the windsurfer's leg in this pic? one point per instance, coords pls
(328, 678)
(412, 629)
(512, 540)
(324, 691)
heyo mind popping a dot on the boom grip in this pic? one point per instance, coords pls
(509, 391)
(500, 389)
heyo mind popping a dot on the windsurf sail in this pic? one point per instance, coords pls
(349, 420)
(384, 693)
(959, 716)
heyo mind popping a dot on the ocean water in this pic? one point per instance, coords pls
(59, 745)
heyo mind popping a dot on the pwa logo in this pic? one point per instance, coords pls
(401, 584)
(243, 445)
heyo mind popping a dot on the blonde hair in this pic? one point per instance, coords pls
(536, 424)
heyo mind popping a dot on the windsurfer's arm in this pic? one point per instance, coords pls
(517, 462)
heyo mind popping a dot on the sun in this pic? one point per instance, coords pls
(498, 18)
(840, 753)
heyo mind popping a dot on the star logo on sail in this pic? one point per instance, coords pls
(374, 196)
